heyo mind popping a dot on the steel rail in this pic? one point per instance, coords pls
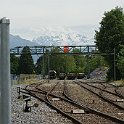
(90, 110)
(119, 121)
(53, 106)
(103, 90)
(56, 108)
(104, 98)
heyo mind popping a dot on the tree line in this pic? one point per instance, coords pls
(61, 63)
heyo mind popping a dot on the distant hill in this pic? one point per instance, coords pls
(18, 41)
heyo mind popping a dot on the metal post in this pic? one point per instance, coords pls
(88, 51)
(48, 66)
(114, 65)
(43, 68)
(5, 85)
(65, 64)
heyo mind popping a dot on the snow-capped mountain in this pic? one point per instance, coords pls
(53, 38)
(63, 38)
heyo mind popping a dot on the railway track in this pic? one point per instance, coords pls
(111, 93)
(103, 104)
(105, 87)
(120, 91)
(43, 95)
(90, 115)
(57, 96)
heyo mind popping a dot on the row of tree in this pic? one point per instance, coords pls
(68, 62)
(23, 64)
(62, 63)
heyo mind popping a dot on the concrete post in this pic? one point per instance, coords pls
(5, 85)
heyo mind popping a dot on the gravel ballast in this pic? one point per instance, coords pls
(38, 115)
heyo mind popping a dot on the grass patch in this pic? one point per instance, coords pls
(119, 83)
(28, 81)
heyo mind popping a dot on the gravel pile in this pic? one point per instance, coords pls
(99, 73)
(41, 114)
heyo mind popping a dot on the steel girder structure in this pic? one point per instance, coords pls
(88, 49)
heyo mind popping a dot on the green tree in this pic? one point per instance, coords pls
(26, 64)
(80, 61)
(70, 63)
(65, 63)
(58, 62)
(51, 60)
(14, 62)
(61, 62)
(55, 60)
(39, 65)
(110, 36)
(96, 61)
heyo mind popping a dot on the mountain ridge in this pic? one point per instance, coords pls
(52, 39)
(62, 39)
(16, 40)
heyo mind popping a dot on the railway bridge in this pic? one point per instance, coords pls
(35, 50)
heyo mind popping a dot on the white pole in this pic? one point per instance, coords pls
(5, 86)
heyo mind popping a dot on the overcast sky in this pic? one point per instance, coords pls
(30, 16)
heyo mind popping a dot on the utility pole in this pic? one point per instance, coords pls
(43, 68)
(114, 65)
(5, 86)
(48, 67)
(88, 63)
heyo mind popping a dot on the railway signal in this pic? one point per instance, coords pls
(66, 49)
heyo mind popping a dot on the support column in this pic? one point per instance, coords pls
(5, 85)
